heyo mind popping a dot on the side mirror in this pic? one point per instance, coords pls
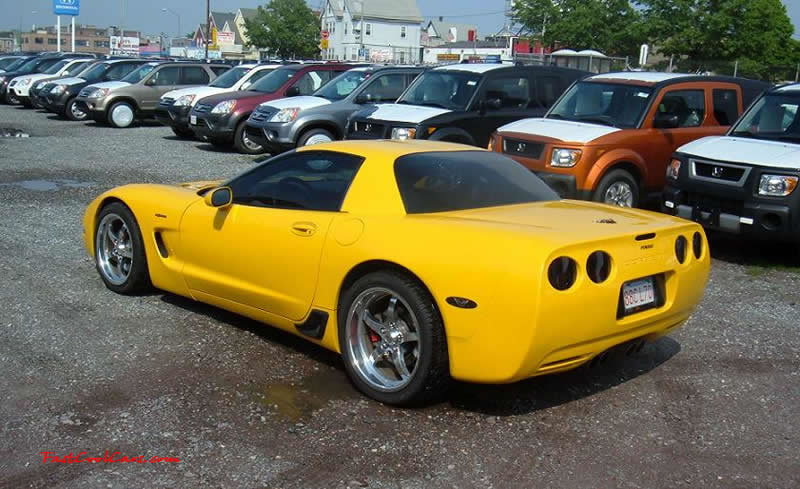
(293, 92)
(363, 98)
(665, 120)
(494, 103)
(150, 82)
(219, 197)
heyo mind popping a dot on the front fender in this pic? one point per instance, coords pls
(328, 123)
(611, 159)
(449, 133)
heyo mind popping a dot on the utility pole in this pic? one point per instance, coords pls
(360, 51)
(58, 29)
(73, 33)
(207, 38)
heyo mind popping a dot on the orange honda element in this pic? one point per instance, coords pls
(610, 136)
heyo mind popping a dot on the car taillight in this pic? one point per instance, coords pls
(598, 266)
(562, 273)
(697, 244)
(680, 249)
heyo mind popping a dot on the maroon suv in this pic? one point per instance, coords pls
(220, 119)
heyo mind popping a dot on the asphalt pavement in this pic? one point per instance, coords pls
(714, 405)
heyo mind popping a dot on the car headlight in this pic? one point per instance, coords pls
(673, 169)
(403, 133)
(24, 82)
(184, 101)
(224, 107)
(288, 114)
(58, 89)
(565, 158)
(776, 185)
(99, 93)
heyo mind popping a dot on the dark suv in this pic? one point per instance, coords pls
(220, 119)
(464, 103)
(288, 123)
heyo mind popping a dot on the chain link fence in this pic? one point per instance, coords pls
(744, 69)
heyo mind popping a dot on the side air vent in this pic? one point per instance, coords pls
(162, 248)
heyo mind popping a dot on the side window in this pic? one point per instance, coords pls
(386, 88)
(688, 105)
(312, 81)
(194, 75)
(218, 70)
(118, 71)
(166, 76)
(726, 106)
(513, 91)
(548, 88)
(311, 180)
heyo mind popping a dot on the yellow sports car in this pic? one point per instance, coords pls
(417, 261)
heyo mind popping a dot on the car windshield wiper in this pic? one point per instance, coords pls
(602, 119)
(743, 134)
(435, 104)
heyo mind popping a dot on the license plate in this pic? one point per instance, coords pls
(193, 120)
(638, 293)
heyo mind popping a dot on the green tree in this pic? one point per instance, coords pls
(286, 28)
(610, 26)
(706, 34)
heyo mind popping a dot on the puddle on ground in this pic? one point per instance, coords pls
(47, 185)
(8, 132)
(298, 400)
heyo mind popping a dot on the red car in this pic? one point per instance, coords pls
(220, 119)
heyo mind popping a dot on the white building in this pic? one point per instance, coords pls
(392, 30)
(489, 50)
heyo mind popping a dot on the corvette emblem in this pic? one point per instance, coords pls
(717, 171)
(606, 221)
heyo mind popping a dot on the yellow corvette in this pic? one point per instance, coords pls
(417, 261)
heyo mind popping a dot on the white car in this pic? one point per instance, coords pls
(21, 85)
(174, 107)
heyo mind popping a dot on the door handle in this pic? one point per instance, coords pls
(304, 228)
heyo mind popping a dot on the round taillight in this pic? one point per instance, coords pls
(562, 273)
(680, 249)
(598, 266)
(697, 244)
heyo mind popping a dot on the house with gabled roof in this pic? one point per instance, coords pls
(391, 30)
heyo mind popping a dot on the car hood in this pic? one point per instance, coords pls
(568, 220)
(111, 85)
(565, 131)
(303, 103)
(198, 92)
(71, 81)
(236, 95)
(37, 77)
(758, 152)
(413, 114)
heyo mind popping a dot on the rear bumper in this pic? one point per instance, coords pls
(753, 219)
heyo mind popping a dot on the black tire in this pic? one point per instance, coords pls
(68, 112)
(183, 132)
(618, 176)
(303, 141)
(120, 105)
(12, 99)
(239, 141)
(431, 377)
(138, 279)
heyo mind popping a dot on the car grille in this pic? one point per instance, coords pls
(708, 203)
(166, 101)
(720, 172)
(202, 108)
(527, 149)
(262, 115)
(367, 130)
(86, 92)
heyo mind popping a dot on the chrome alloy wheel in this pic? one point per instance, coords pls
(619, 194)
(122, 115)
(383, 339)
(318, 139)
(76, 112)
(249, 143)
(114, 249)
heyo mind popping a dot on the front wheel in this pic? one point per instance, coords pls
(119, 250)
(315, 136)
(121, 115)
(74, 111)
(12, 98)
(392, 339)
(244, 144)
(618, 188)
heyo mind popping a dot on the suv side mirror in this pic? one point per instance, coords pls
(494, 103)
(293, 91)
(219, 197)
(666, 120)
(363, 98)
(150, 81)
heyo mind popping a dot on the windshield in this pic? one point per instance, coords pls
(138, 74)
(229, 78)
(76, 68)
(773, 117)
(7, 63)
(444, 89)
(27, 66)
(343, 85)
(459, 180)
(56, 67)
(95, 72)
(273, 82)
(611, 104)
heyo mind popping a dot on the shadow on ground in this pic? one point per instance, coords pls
(759, 257)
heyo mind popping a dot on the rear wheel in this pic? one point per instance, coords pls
(243, 144)
(119, 250)
(618, 188)
(182, 132)
(74, 111)
(392, 339)
(315, 136)
(121, 115)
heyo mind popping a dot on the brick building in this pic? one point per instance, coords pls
(88, 39)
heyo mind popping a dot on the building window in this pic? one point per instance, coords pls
(25, 40)
(81, 42)
(403, 31)
(345, 29)
(52, 41)
(38, 40)
(369, 29)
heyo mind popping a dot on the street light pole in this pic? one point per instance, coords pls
(167, 9)
(208, 25)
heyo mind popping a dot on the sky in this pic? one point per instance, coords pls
(147, 15)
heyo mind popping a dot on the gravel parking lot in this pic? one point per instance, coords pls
(244, 406)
